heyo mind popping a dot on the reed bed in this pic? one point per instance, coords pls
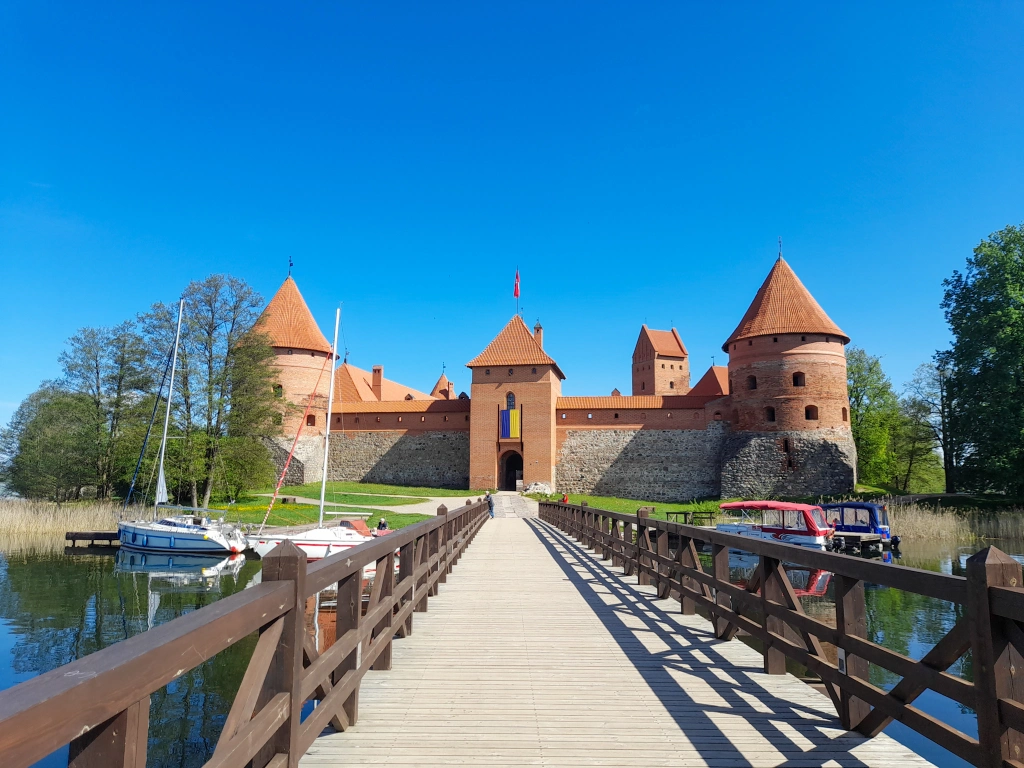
(914, 522)
(41, 524)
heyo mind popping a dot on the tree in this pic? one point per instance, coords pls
(874, 414)
(48, 448)
(918, 467)
(933, 387)
(108, 365)
(226, 378)
(984, 307)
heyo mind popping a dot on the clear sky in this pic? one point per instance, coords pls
(637, 161)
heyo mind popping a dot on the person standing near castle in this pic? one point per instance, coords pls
(490, 503)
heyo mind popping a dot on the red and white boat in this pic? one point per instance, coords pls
(801, 524)
(317, 543)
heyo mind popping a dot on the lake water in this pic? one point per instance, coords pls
(56, 608)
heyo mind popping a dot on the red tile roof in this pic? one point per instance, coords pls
(634, 402)
(515, 345)
(354, 385)
(289, 323)
(405, 406)
(666, 343)
(714, 383)
(440, 389)
(783, 305)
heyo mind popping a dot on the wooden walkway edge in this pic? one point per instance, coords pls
(540, 654)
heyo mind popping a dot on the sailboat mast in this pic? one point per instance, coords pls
(330, 405)
(167, 416)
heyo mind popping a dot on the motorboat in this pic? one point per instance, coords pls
(850, 519)
(191, 532)
(800, 524)
(318, 543)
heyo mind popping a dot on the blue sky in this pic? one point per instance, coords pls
(636, 161)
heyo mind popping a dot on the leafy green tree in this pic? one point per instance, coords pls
(247, 465)
(108, 365)
(874, 415)
(934, 388)
(914, 448)
(984, 307)
(48, 449)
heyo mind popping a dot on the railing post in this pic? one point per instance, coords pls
(687, 605)
(643, 536)
(406, 567)
(720, 569)
(422, 557)
(996, 661)
(628, 561)
(348, 617)
(771, 590)
(434, 537)
(120, 742)
(446, 546)
(665, 579)
(287, 563)
(851, 620)
(386, 573)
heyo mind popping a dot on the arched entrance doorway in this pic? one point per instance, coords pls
(510, 469)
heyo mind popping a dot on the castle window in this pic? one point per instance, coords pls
(826, 339)
(378, 419)
(312, 354)
(750, 342)
(399, 418)
(799, 380)
(423, 418)
(785, 445)
(590, 415)
(446, 418)
(616, 415)
(662, 365)
(811, 413)
(803, 338)
(278, 390)
(751, 382)
(668, 415)
(671, 385)
(775, 339)
(487, 371)
(510, 371)
(510, 401)
(291, 351)
(733, 347)
(533, 370)
(769, 414)
(643, 385)
(844, 414)
(311, 420)
(563, 415)
(337, 419)
(467, 417)
(409, 397)
(718, 415)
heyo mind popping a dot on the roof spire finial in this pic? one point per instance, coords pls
(780, 246)
(290, 265)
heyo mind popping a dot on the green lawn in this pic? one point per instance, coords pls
(312, 490)
(351, 498)
(630, 506)
(252, 509)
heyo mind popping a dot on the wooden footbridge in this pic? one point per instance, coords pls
(575, 637)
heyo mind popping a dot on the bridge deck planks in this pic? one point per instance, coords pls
(536, 653)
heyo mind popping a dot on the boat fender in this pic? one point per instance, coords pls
(895, 542)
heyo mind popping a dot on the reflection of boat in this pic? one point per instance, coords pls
(173, 564)
(800, 524)
(188, 533)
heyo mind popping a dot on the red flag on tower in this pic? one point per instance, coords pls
(516, 291)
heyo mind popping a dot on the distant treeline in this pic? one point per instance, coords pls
(959, 426)
(82, 434)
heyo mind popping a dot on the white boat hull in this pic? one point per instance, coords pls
(317, 544)
(755, 532)
(156, 537)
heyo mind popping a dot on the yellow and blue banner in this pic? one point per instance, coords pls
(510, 424)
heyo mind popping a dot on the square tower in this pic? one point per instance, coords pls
(661, 364)
(512, 410)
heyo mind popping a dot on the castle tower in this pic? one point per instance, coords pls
(789, 405)
(661, 364)
(300, 352)
(512, 411)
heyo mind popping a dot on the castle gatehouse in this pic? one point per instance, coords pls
(774, 421)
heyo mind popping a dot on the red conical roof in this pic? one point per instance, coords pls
(289, 323)
(515, 345)
(783, 305)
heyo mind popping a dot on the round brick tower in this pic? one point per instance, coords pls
(301, 353)
(789, 413)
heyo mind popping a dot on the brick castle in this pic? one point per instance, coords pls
(774, 421)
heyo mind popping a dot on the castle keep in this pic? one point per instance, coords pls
(774, 421)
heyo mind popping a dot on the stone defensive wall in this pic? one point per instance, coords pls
(794, 463)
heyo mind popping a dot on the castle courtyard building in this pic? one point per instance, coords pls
(775, 421)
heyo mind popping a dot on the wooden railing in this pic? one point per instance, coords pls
(100, 704)
(767, 608)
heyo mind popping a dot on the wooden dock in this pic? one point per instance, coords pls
(93, 538)
(539, 653)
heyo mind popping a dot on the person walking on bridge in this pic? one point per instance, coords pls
(490, 503)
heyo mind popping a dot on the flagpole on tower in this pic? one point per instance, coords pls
(515, 291)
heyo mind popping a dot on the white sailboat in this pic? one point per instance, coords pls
(192, 530)
(318, 542)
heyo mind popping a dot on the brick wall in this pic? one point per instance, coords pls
(649, 464)
(794, 463)
(433, 459)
